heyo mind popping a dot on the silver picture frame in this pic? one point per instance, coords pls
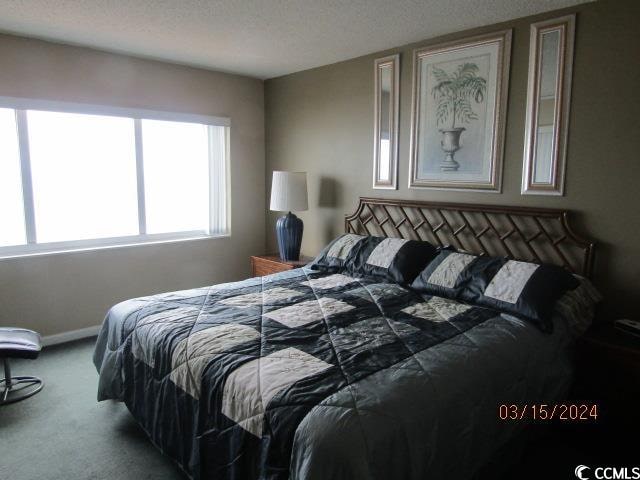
(386, 109)
(548, 106)
(458, 113)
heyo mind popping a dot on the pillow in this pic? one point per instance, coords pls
(445, 275)
(390, 259)
(333, 257)
(525, 290)
(578, 306)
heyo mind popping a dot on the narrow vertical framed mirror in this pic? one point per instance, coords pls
(548, 102)
(385, 142)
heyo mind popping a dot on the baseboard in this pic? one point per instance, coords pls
(70, 336)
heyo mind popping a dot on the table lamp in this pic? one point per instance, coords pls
(289, 193)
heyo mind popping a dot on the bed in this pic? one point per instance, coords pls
(313, 375)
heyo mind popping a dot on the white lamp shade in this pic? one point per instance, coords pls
(289, 191)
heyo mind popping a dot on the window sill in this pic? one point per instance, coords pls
(61, 248)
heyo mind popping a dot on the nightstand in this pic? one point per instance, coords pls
(268, 264)
(608, 372)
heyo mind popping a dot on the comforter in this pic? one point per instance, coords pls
(309, 375)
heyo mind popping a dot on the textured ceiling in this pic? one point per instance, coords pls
(260, 38)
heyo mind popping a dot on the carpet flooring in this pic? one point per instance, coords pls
(63, 433)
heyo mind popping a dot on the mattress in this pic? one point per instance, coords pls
(309, 375)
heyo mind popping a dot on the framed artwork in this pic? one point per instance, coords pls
(548, 102)
(458, 113)
(385, 131)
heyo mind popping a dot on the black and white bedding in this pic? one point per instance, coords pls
(316, 375)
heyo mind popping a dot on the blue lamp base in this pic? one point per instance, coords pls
(289, 232)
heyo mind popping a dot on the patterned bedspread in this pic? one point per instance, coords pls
(310, 375)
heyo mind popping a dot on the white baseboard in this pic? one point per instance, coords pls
(70, 336)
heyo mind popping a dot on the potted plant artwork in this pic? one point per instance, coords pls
(458, 113)
(455, 94)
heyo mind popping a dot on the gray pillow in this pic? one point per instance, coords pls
(578, 306)
(333, 257)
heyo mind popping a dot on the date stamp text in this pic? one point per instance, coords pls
(572, 412)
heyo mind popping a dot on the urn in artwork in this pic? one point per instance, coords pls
(450, 144)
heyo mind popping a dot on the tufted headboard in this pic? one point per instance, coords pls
(538, 235)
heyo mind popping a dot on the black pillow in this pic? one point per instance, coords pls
(334, 256)
(390, 259)
(446, 275)
(525, 290)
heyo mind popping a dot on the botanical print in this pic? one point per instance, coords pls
(457, 122)
(454, 93)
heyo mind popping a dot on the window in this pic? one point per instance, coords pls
(176, 193)
(83, 171)
(11, 208)
(76, 176)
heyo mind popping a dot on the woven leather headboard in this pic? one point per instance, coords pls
(538, 235)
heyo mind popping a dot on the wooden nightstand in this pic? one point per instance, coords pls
(608, 372)
(268, 264)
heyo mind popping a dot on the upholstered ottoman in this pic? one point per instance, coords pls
(18, 343)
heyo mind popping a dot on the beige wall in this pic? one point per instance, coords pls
(59, 293)
(321, 121)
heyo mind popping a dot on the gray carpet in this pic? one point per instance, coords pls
(63, 433)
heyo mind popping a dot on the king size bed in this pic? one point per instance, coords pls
(327, 372)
